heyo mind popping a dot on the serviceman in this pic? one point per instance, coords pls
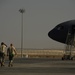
(2, 53)
(11, 51)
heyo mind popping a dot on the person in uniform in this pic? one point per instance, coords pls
(11, 51)
(2, 53)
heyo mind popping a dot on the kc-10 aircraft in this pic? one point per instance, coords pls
(65, 33)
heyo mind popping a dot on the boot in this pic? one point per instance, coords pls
(10, 64)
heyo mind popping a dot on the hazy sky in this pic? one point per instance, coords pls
(40, 17)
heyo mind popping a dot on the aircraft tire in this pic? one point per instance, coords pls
(62, 58)
(71, 58)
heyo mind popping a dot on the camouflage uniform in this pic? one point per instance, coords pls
(11, 51)
(2, 53)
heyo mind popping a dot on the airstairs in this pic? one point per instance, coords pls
(70, 45)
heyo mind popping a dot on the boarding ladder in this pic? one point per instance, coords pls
(70, 44)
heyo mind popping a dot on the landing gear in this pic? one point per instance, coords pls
(67, 57)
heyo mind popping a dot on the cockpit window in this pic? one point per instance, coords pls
(59, 27)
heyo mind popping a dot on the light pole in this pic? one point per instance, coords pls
(22, 11)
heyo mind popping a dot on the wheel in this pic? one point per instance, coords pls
(62, 58)
(71, 58)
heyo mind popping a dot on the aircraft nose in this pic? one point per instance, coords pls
(51, 34)
(58, 35)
